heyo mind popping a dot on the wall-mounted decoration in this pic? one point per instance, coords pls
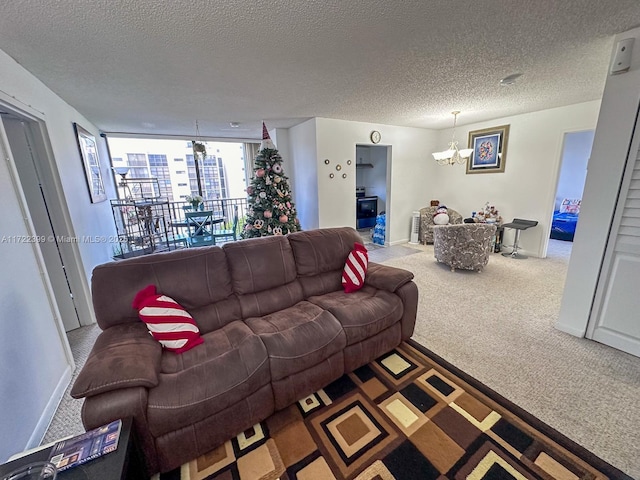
(375, 137)
(326, 161)
(331, 175)
(91, 163)
(489, 150)
(338, 167)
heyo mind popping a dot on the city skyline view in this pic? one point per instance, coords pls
(171, 163)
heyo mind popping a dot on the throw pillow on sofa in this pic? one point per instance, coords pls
(168, 322)
(355, 268)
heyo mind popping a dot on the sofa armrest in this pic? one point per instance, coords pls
(386, 278)
(123, 356)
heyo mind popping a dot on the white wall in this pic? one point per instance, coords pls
(573, 171)
(34, 365)
(86, 218)
(608, 156)
(409, 172)
(527, 187)
(304, 172)
(33, 369)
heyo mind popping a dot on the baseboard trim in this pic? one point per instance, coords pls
(400, 242)
(49, 411)
(576, 332)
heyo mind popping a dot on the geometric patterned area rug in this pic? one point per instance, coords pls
(407, 415)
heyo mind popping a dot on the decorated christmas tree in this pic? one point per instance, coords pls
(271, 210)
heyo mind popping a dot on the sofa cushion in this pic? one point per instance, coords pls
(322, 250)
(194, 277)
(269, 301)
(167, 321)
(259, 264)
(298, 337)
(363, 313)
(229, 366)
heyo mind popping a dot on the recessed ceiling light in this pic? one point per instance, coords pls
(234, 124)
(510, 80)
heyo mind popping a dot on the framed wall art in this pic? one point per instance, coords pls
(91, 163)
(489, 150)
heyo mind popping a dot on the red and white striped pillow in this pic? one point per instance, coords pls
(168, 322)
(355, 268)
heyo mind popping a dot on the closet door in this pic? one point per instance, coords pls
(615, 316)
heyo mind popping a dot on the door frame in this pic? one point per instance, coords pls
(59, 213)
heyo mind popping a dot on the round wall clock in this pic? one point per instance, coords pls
(375, 136)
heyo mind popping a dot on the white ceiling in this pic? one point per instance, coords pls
(150, 66)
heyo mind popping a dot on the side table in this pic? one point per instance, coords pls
(126, 463)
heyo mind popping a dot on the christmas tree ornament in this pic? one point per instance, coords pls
(277, 168)
(266, 139)
(260, 173)
(277, 231)
(283, 219)
(267, 214)
(277, 179)
(258, 224)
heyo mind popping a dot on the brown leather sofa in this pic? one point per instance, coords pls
(276, 324)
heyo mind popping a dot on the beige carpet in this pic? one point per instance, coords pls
(498, 327)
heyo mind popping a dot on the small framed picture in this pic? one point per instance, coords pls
(489, 150)
(91, 163)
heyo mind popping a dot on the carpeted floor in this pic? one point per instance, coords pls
(406, 415)
(498, 326)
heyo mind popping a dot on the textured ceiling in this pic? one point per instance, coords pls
(149, 66)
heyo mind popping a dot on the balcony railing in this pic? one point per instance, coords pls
(222, 208)
(152, 225)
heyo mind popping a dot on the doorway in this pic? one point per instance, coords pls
(372, 189)
(27, 146)
(576, 151)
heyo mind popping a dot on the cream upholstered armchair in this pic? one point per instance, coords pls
(426, 222)
(466, 246)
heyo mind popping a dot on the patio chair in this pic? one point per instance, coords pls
(229, 235)
(199, 228)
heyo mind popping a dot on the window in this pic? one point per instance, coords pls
(157, 160)
(162, 174)
(219, 177)
(137, 159)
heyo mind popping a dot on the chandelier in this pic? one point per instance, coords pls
(453, 156)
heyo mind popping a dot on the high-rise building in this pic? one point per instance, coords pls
(172, 164)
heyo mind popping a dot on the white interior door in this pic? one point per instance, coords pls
(615, 316)
(23, 151)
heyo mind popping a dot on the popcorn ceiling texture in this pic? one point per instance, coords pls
(149, 66)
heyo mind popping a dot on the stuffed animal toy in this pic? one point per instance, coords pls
(441, 217)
